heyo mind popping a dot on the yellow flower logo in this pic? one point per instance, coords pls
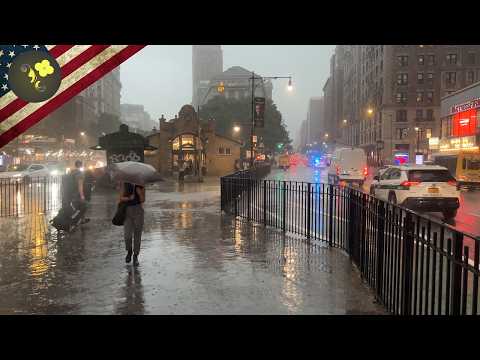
(44, 68)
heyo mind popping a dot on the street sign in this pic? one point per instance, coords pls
(259, 112)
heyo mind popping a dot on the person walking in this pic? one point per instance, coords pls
(78, 194)
(181, 170)
(134, 196)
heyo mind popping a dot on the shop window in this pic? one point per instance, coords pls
(428, 133)
(176, 144)
(221, 150)
(187, 140)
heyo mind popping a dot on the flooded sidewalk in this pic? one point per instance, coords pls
(193, 260)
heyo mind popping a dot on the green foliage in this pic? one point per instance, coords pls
(230, 112)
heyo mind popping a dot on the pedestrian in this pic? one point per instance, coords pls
(134, 196)
(77, 195)
(181, 170)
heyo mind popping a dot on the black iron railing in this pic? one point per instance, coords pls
(24, 195)
(416, 265)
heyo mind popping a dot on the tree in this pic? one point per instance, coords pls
(230, 112)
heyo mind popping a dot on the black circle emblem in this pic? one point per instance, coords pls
(34, 76)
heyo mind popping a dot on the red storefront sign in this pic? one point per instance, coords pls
(465, 123)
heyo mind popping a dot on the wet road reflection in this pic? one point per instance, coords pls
(194, 260)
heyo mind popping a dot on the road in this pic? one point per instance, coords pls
(467, 220)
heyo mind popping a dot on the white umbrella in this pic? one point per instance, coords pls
(134, 172)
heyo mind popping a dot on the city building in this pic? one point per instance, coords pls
(390, 94)
(233, 83)
(136, 117)
(317, 130)
(207, 61)
(196, 142)
(104, 95)
(459, 122)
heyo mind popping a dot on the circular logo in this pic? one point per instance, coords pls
(34, 76)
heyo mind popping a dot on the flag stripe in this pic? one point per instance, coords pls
(60, 99)
(59, 50)
(65, 84)
(68, 61)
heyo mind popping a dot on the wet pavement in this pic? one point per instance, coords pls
(194, 260)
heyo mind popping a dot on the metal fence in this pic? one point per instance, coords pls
(25, 196)
(416, 265)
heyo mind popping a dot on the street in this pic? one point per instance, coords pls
(193, 260)
(467, 220)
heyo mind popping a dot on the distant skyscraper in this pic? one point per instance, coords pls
(207, 61)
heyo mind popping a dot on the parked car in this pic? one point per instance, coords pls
(348, 165)
(27, 172)
(419, 187)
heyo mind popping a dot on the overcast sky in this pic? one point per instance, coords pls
(160, 76)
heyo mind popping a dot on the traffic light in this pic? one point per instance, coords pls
(280, 146)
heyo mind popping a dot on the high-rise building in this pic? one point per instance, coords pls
(136, 117)
(316, 127)
(207, 61)
(234, 83)
(390, 94)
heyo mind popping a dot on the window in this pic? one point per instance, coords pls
(421, 59)
(430, 60)
(429, 97)
(419, 114)
(428, 133)
(450, 78)
(402, 79)
(401, 116)
(221, 151)
(401, 97)
(402, 60)
(419, 78)
(470, 76)
(402, 133)
(227, 151)
(419, 96)
(430, 175)
(452, 59)
(471, 58)
(430, 76)
(429, 114)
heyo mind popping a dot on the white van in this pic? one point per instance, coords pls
(349, 165)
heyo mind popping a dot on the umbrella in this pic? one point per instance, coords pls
(134, 172)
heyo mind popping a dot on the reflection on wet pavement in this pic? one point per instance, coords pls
(194, 260)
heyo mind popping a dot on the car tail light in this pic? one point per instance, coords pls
(410, 183)
(452, 182)
(365, 171)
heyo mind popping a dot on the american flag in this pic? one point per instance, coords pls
(81, 66)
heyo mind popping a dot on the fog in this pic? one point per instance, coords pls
(160, 76)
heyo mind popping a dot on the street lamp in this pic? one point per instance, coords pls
(370, 111)
(326, 135)
(82, 133)
(344, 121)
(290, 87)
(236, 128)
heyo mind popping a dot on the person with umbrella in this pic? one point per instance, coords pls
(134, 197)
(133, 176)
